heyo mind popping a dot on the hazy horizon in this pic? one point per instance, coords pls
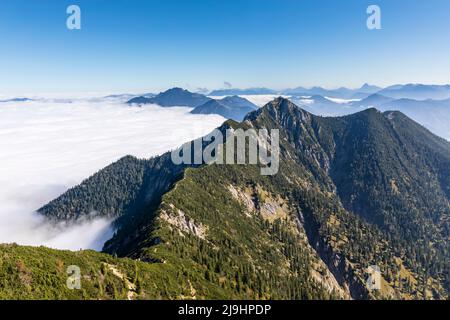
(101, 94)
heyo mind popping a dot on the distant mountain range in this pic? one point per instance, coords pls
(173, 97)
(16, 100)
(365, 189)
(235, 92)
(233, 107)
(343, 93)
(409, 91)
(433, 114)
(426, 104)
(417, 92)
(181, 97)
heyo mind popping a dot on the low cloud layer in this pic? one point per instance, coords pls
(50, 146)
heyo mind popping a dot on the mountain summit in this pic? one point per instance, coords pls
(172, 98)
(232, 107)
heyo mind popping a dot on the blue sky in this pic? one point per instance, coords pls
(141, 46)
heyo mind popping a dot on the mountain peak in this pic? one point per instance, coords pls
(280, 103)
(174, 97)
(278, 109)
(280, 100)
(176, 90)
(232, 107)
(369, 88)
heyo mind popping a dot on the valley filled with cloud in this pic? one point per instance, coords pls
(49, 146)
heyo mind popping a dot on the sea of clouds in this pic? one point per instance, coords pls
(48, 146)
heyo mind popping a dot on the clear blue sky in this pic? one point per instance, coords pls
(127, 45)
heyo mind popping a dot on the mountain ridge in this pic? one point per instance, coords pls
(312, 193)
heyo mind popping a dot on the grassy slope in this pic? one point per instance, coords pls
(40, 273)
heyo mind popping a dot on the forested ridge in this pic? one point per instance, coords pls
(366, 189)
